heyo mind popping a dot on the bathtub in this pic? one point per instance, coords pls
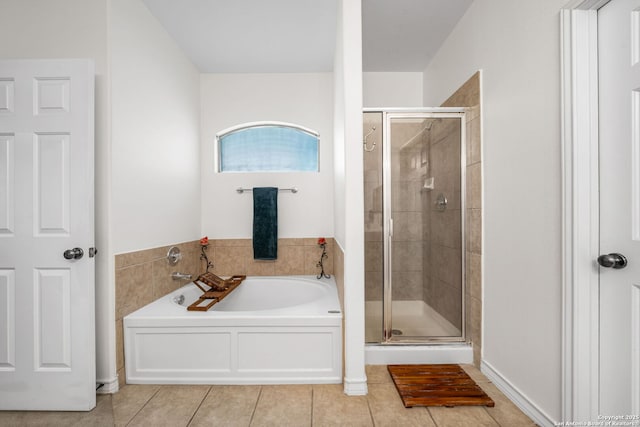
(270, 330)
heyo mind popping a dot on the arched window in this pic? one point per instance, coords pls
(268, 147)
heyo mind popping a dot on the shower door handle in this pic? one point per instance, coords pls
(390, 227)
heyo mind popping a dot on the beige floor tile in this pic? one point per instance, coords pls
(475, 374)
(387, 408)
(294, 405)
(11, 418)
(130, 400)
(101, 415)
(331, 407)
(462, 416)
(171, 406)
(283, 405)
(40, 419)
(227, 406)
(378, 374)
(506, 413)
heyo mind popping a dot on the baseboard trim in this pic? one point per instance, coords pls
(355, 387)
(516, 396)
(108, 386)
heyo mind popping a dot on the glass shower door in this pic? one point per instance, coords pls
(423, 179)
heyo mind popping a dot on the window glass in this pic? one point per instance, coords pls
(268, 147)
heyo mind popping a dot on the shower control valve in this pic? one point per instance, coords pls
(441, 202)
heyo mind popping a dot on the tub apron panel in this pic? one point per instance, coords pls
(298, 344)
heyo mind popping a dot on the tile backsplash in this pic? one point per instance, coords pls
(295, 257)
(144, 276)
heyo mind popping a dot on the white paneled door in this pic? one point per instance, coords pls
(619, 112)
(47, 334)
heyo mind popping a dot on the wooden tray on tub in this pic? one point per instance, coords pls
(218, 289)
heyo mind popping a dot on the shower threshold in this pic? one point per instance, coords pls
(385, 354)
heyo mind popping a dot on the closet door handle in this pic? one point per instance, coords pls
(75, 253)
(613, 260)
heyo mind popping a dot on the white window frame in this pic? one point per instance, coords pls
(258, 124)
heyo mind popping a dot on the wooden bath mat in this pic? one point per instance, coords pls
(437, 385)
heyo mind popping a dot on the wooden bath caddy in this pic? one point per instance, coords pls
(219, 288)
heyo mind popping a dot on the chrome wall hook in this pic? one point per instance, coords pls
(364, 141)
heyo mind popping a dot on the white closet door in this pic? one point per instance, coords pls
(47, 332)
(619, 111)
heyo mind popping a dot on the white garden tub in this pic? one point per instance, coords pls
(270, 330)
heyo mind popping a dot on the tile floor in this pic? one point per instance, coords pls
(282, 405)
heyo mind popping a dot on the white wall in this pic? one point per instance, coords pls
(231, 99)
(155, 133)
(392, 89)
(75, 29)
(348, 189)
(339, 165)
(516, 44)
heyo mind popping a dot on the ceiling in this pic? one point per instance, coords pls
(404, 35)
(275, 36)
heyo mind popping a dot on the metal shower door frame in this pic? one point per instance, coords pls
(388, 114)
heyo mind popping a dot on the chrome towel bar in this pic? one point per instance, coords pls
(241, 190)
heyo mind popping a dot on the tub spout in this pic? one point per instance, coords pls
(180, 276)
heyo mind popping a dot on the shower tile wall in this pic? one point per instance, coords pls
(468, 95)
(408, 248)
(442, 230)
(426, 247)
(373, 209)
(407, 172)
(441, 260)
(144, 276)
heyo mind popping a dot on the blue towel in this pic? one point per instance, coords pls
(265, 223)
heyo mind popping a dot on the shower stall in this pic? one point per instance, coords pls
(414, 183)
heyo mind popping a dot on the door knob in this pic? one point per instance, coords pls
(75, 253)
(613, 260)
